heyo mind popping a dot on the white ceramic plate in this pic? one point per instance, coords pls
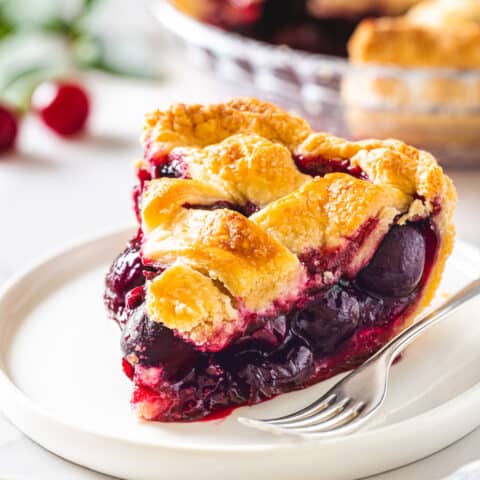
(61, 383)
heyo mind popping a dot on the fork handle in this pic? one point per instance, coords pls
(397, 344)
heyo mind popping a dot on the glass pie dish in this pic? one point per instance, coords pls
(437, 109)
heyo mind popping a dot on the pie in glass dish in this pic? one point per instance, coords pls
(320, 26)
(427, 90)
(268, 257)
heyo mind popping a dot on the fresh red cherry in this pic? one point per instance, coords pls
(63, 106)
(8, 128)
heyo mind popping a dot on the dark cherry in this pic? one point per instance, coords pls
(152, 343)
(169, 170)
(62, 106)
(126, 273)
(334, 330)
(201, 393)
(328, 320)
(171, 166)
(397, 266)
(376, 310)
(267, 378)
(247, 209)
(8, 128)
(319, 166)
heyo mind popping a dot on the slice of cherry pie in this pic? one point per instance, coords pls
(268, 257)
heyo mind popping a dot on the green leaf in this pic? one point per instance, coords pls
(89, 52)
(88, 5)
(86, 9)
(24, 73)
(7, 27)
(58, 26)
(86, 51)
(18, 88)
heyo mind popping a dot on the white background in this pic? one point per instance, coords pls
(54, 191)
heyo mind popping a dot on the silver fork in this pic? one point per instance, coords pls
(358, 396)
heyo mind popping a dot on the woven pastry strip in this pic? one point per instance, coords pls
(220, 267)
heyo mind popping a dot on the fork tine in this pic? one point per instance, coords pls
(321, 404)
(348, 416)
(323, 419)
(328, 413)
(326, 429)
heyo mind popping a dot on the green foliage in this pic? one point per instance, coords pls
(20, 85)
(85, 51)
(6, 26)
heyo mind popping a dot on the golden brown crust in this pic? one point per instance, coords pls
(329, 210)
(229, 248)
(397, 41)
(198, 317)
(199, 125)
(435, 33)
(248, 167)
(445, 230)
(245, 264)
(458, 14)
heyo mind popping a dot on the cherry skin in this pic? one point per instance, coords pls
(62, 106)
(8, 128)
(125, 273)
(154, 344)
(328, 320)
(397, 266)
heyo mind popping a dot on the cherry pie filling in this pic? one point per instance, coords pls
(288, 22)
(328, 330)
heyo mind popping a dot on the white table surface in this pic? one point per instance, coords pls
(53, 192)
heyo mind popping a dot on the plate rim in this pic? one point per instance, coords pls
(18, 397)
